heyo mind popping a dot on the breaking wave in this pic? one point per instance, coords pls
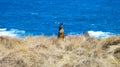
(22, 33)
(11, 32)
(100, 34)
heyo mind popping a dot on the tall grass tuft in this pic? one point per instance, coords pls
(74, 51)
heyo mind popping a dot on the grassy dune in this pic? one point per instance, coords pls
(75, 51)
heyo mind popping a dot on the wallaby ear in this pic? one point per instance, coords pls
(61, 23)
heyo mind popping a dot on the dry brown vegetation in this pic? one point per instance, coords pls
(75, 51)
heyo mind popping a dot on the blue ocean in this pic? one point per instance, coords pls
(100, 18)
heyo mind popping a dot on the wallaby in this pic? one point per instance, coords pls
(61, 32)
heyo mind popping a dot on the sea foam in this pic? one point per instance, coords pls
(11, 32)
(99, 34)
(21, 33)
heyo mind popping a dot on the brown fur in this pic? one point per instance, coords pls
(61, 32)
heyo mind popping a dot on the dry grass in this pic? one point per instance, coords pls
(75, 51)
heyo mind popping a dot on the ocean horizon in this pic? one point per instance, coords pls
(101, 18)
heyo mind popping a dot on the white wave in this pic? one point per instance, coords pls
(33, 13)
(3, 29)
(99, 34)
(11, 32)
(92, 24)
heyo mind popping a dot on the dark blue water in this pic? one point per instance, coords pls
(43, 16)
